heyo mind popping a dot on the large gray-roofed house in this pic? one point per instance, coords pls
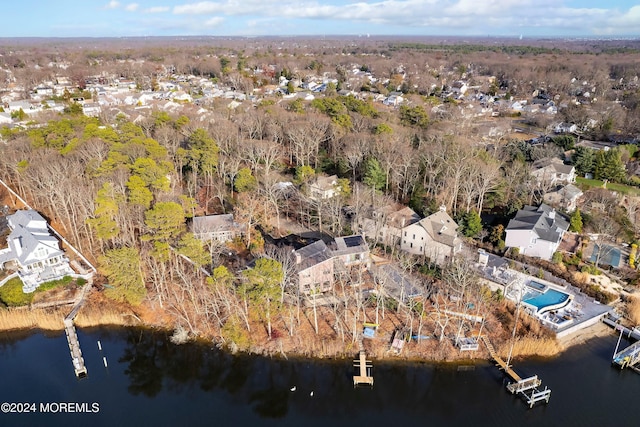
(536, 231)
(435, 237)
(35, 253)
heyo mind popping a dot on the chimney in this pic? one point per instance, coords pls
(403, 221)
(552, 214)
(443, 208)
(483, 257)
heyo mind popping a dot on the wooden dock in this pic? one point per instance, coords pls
(526, 387)
(363, 366)
(74, 349)
(364, 369)
(72, 337)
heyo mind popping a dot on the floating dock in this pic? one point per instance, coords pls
(526, 387)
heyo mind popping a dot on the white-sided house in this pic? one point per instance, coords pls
(216, 227)
(553, 172)
(324, 187)
(384, 225)
(536, 231)
(33, 251)
(434, 237)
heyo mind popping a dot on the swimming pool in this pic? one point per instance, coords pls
(549, 299)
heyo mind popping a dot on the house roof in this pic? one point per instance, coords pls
(29, 230)
(542, 220)
(397, 216)
(325, 182)
(569, 192)
(349, 245)
(552, 165)
(213, 223)
(312, 254)
(26, 218)
(440, 227)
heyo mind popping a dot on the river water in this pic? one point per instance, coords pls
(149, 381)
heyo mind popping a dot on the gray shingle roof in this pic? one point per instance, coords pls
(312, 254)
(543, 220)
(441, 227)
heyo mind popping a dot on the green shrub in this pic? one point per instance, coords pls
(11, 294)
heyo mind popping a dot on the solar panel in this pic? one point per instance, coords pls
(353, 241)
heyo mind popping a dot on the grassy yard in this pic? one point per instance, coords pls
(620, 188)
(12, 296)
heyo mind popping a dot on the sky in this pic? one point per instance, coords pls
(119, 18)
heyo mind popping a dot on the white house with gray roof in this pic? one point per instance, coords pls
(33, 251)
(435, 237)
(536, 231)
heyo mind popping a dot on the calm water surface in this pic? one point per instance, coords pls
(149, 381)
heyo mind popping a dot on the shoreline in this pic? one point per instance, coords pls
(50, 319)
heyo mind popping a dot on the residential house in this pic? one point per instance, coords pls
(351, 257)
(434, 237)
(565, 128)
(216, 227)
(565, 197)
(91, 109)
(33, 251)
(384, 225)
(315, 268)
(324, 187)
(553, 172)
(318, 264)
(5, 118)
(536, 231)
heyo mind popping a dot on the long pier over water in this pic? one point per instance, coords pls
(72, 337)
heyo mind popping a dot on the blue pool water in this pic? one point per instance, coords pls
(550, 297)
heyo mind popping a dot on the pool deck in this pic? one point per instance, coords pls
(582, 312)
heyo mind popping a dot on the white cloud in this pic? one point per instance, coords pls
(466, 16)
(201, 8)
(157, 9)
(214, 22)
(132, 7)
(113, 4)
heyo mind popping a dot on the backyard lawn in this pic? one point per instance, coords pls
(620, 188)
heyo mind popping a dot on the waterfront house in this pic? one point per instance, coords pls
(536, 231)
(318, 264)
(315, 268)
(32, 251)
